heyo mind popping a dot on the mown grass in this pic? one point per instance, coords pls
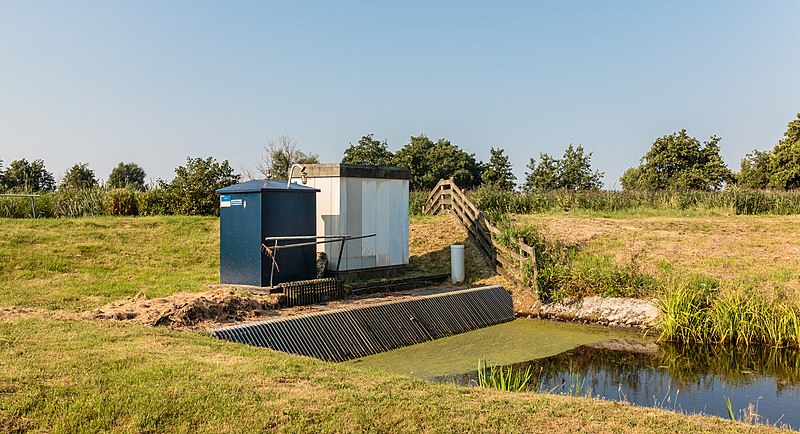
(90, 376)
(67, 375)
(80, 264)
(718, 279)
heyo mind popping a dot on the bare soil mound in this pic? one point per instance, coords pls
(191, 310)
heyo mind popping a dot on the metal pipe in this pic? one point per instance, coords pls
(291, 169)
(336, 240)
(304, 237)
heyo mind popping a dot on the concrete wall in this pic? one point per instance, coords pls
(363, 206)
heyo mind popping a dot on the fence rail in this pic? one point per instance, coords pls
(508, 262)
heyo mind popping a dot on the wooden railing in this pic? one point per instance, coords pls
(508, 262)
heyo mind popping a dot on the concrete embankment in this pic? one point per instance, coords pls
(608, 311)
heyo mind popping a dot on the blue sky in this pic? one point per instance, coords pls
(156, 81)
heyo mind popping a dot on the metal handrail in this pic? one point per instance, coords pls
(32, 196)
(325, 239)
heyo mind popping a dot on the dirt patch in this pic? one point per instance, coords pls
(191, 310)
(221, 307)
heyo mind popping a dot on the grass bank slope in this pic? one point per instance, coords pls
(88, 376)
(728, 248)
(59, 374)
(80, 264)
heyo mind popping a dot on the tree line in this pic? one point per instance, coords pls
(190, 192)
(675, 161)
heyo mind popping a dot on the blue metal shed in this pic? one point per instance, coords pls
(254, 210)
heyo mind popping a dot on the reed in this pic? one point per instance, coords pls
(684, 309)
(732, 200)
(704, 313)
(506, 379)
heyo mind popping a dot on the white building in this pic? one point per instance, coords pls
(361, 200)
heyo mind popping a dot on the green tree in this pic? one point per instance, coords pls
(756, 170)
(573, 171)
(431, 161)
(127, 175)
(280, 155)
(22, 175)
(680, 162)
(542, 176)
(498, 172)
(78, 177)
(368, 151)
(785, 159)
(192, 191)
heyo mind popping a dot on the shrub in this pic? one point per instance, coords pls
(156, 201)
(120, 201)
(416, 202)
(193, 188)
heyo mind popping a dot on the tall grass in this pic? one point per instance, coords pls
(698, 312)
(506, 379)
(104, 201)
(564, 270)
(733, 200)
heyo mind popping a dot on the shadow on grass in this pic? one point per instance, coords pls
(438, 262)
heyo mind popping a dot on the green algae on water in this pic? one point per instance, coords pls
(503, 344)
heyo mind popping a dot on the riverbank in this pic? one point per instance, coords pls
(714, 278)
(60, 371)
(93, 375)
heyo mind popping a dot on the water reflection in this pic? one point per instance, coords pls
(691, 380)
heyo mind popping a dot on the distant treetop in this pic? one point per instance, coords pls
(679, 162)
(369, 151)
(127, 175)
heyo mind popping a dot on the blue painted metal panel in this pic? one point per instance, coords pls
(254, 210)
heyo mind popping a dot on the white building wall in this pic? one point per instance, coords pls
(363, 206)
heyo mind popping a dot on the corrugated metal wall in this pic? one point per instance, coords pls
(362, 206)
(344, 334)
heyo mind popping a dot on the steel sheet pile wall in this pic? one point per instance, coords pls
(339, 335)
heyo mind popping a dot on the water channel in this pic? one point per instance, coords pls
(761, 383)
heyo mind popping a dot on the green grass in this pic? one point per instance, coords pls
(69, 375)
(80, 264)
(730, 201)
(89, 376)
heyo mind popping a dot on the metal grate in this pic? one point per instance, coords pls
(304, 292)
(344, 334)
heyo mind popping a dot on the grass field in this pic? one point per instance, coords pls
(759, 249)
(80, 264)
(69, 375)
(717, 278)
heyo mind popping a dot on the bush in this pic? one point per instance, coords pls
(416, 202)
(194, 186)
(120, 201)
(156, 201)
